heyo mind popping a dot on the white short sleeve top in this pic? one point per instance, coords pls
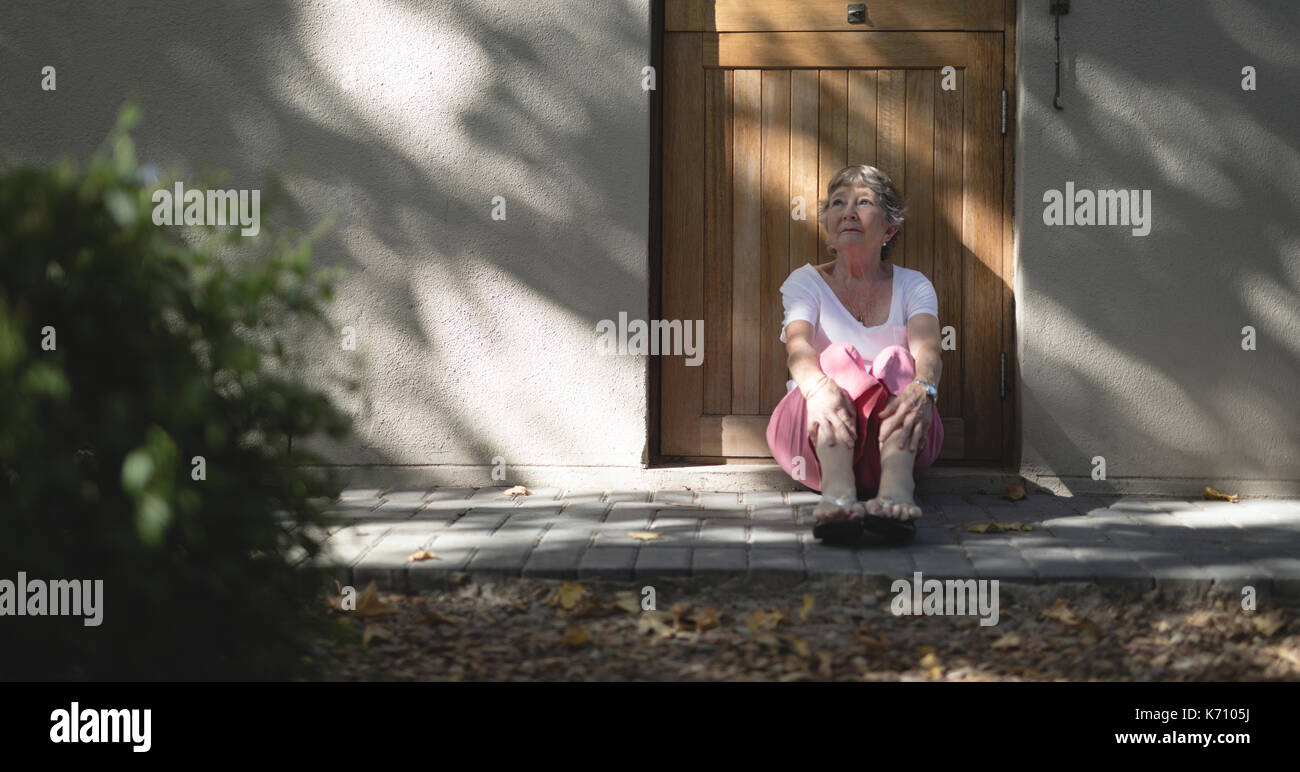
(808, 297)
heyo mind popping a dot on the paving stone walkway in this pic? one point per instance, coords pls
(1137, 542)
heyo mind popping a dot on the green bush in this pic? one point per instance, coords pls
(163, 351)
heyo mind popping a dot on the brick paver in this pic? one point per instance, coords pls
(1134, 541)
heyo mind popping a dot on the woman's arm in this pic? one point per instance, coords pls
(911, 409)
(923, 342)
(802, 359)
(829, 408)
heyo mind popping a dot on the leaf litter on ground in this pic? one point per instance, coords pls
(598, 631)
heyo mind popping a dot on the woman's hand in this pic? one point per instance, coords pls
(830, 410)
(911, 410)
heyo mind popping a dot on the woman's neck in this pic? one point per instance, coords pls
(868, 268)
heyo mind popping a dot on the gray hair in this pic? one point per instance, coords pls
(887, 197)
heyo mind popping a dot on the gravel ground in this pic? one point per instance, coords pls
(533, 630)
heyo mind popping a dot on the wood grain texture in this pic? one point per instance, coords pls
(805, 236)
(919, 164)
(683, 235)
(985, 15)
(862, 118)
(746, 231)
(982, 261)
(947, 276)
(717, 239)
(778, 15)
(832, 118)
(775, 247)
(835, 49)
(891, 137)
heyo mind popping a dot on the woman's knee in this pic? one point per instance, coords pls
(839, 354)
(894, 366)
(895, 353)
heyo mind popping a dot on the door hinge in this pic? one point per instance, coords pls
(1002, 386)
(1004, 112)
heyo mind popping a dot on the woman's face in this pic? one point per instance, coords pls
(854, 219)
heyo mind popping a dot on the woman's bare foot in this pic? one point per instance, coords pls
(838, 484)
(827, 511)
(896, 507)
(894, 499)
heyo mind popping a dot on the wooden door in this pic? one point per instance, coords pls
(763, 103)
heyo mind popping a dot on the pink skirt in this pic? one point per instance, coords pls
(869, 385)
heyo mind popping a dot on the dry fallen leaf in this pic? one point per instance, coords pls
(644, 535)
(517, 490)
(764, 620)
(416, 557)
(435, 617)
(1061, 612)
(687, 618)
(567, 595)
(807, 608)
(1211, 494)
(1008, 641)
(654, 622)
(589, 605)
(1267, 624)
(872, 645)
(627, 601)
(998, 527)
(373, 631)
(1015, 492)
(1281, 652)
(824, 668)
(929, 661)
(800, 646)
(706, 618)
(575, 635)
(369, 604)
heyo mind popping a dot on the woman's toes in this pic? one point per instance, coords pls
(908, 511)
(877, 508)
(826, 512)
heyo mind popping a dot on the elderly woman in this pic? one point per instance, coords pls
(863, 342)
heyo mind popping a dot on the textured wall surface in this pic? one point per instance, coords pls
(475, 337)
(1131, 345)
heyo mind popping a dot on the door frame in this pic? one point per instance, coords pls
(1011, 406)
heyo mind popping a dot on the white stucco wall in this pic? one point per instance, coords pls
(476, 337)
(1131, 346)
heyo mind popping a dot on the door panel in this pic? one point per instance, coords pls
(757, 122)
(769, 15)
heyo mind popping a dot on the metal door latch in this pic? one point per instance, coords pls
(1058, 8)
(857, 13)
